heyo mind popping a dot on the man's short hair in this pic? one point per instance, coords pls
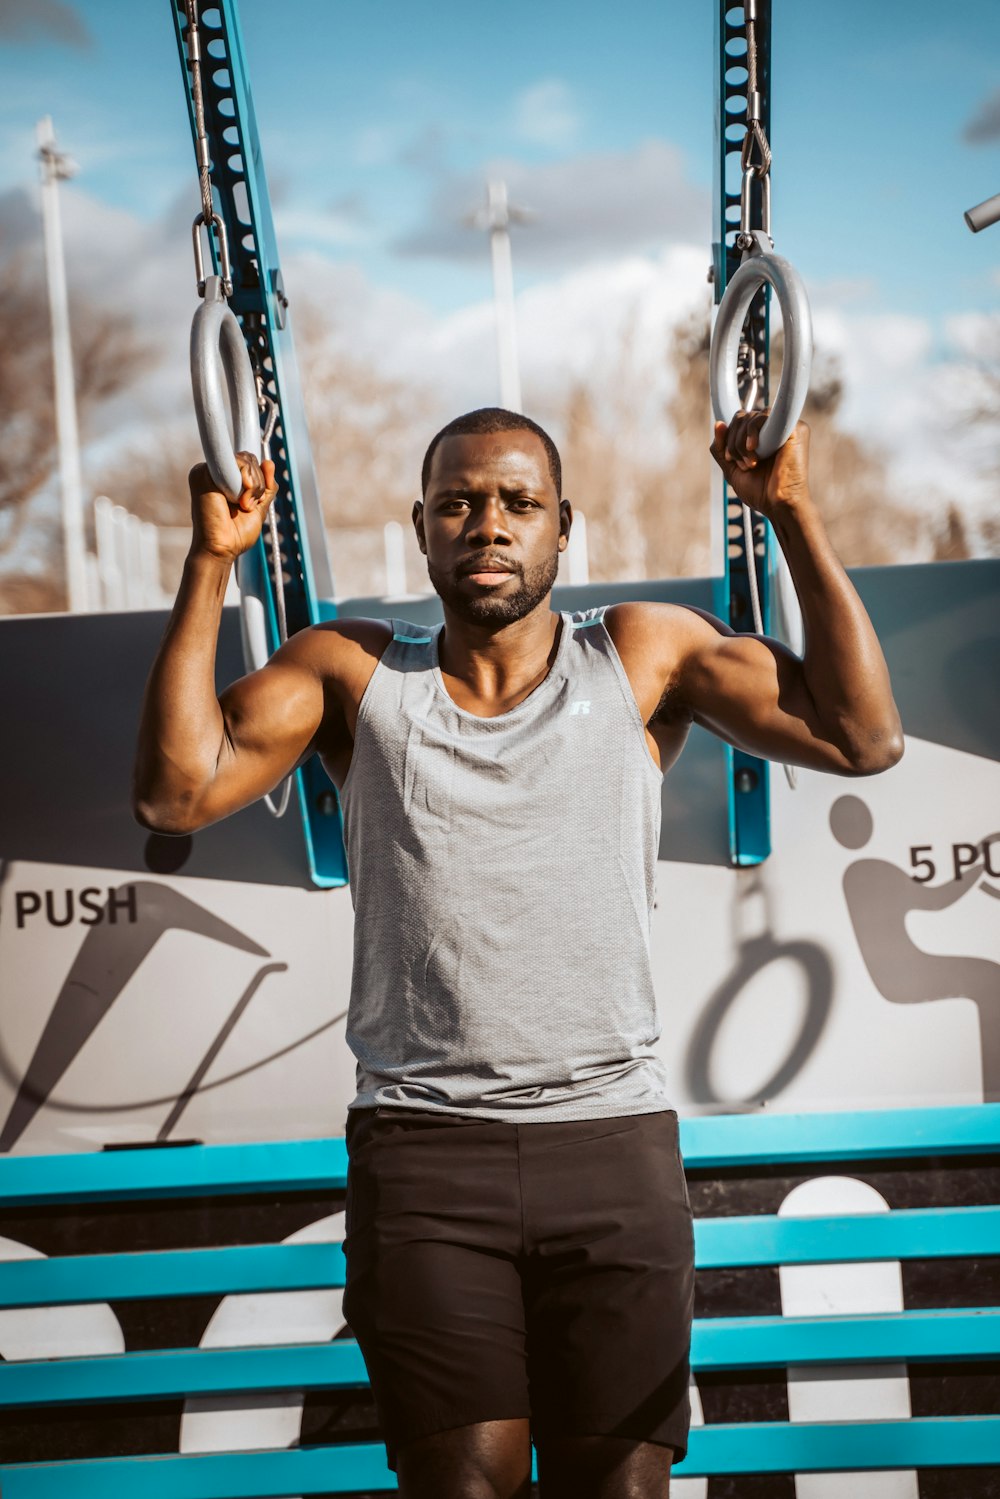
(494, 419)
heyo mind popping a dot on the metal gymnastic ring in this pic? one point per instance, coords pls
(218, 348)
(759, 267)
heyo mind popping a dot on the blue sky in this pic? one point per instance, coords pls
(372, 114)
(380, 123)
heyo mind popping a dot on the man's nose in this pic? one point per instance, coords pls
(488, 524)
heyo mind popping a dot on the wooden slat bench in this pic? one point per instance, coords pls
(796, 1142)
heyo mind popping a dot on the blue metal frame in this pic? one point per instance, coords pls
(916, 1234)
(971, 1333)
(910, 1234)
(749, 777)
(315, 1165)
(719, 1343)
(743, 1447)
(242, 200)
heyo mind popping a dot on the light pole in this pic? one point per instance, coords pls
(497, 217)
(984, 214)
(56, 168)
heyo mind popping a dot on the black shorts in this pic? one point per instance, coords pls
(541, 1271)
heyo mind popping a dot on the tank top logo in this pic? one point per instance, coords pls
(581, 705)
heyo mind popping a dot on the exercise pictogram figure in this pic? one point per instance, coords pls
(880, 896)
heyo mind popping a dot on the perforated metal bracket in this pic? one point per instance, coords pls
(260, 304)
(749, 778)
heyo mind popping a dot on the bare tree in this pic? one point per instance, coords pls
(30, 593)
(107, 356)
(650, 517)
(647, 513)
(978, 422)
(368, 432)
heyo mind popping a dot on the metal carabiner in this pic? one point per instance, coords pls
(226, 270)
(745, 238)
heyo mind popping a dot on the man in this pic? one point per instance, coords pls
(519, 1242)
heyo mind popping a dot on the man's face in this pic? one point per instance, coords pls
(491, 525)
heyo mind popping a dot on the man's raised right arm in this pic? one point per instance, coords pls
(202, 756)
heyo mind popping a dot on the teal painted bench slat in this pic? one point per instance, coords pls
(908, 1234)
(746, 1141)
(808, 1139)
(916, 1233)
(318, 1165)
(240, 1268)
(717, 1343)
(760, 1447)
(173, 1171)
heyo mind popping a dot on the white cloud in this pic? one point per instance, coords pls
(569, 329)
(593, 206)
(905, 385)
(904, 379)
(546, 114)
(338, 227)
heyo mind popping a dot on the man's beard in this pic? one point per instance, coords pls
(491, 607)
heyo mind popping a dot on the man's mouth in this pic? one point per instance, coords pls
(487, 574)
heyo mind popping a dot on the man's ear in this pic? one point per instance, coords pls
(565, 522)
(418, 524)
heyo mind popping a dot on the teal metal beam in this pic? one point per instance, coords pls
(717, 1343)
(708, 1142)
(187, 1171)
(713, 1141)
(841, 1446)
(883, 1337)
(242, 199)
(179, 1372)
(749, 793)
(346, 1469)
(236, 1269)
(758, 1447)
(912, 1234)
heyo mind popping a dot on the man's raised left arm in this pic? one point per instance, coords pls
(832, 709)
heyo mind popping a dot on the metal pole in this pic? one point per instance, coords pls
(577, 556)
(984, 214)
(149, 538)
(395, 559)
(498, 218)
(54, 168)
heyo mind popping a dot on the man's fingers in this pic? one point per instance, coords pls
(719, 449)
(253, 481)
(743, 437)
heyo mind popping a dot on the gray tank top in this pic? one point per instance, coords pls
(502, 873)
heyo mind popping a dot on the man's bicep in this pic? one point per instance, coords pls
(271, 721)
(752, 691)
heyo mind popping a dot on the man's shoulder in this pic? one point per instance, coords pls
(335, 636)
(340, 650)
(650, 624)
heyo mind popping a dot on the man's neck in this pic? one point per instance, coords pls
(493, 668)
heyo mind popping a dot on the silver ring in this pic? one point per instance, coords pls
(790, 397)
(219, 349)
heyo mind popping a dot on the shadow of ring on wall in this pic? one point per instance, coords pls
(756, 954)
